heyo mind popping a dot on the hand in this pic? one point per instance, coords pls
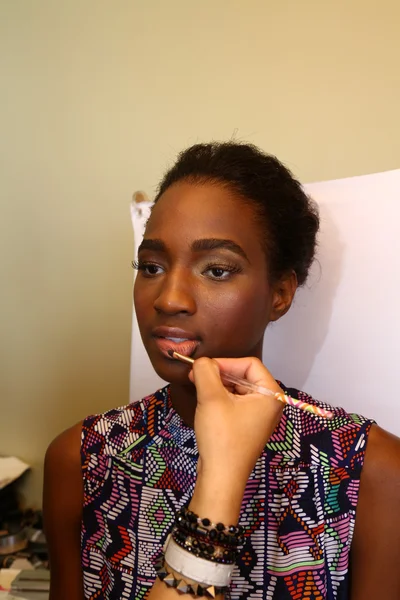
(231, 429)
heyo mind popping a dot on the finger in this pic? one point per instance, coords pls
(207, 379)
(249, 368)
(231, 387)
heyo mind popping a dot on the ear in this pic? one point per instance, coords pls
(283, 293)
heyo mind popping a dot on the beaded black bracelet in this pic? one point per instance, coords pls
(204, 538)
(230, 535)
(200, 541)
(203, 549)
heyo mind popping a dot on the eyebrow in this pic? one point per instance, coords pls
(156, 245)
(200, 245)
(217, 243)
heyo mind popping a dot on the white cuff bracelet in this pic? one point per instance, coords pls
(195, 568)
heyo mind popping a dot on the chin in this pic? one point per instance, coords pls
(172, 371)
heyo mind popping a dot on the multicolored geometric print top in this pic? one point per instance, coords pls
(139, 468)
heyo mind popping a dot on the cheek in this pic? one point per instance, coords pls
(241, 311)
(136, 298)
(141, 301)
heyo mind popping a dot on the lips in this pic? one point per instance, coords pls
(175, 339)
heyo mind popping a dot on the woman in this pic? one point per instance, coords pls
(231, 236)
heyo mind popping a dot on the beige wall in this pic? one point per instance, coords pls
(96, 99)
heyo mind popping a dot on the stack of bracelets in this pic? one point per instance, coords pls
(199, 556)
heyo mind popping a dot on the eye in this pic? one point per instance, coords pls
(148, 269)
(220, 272)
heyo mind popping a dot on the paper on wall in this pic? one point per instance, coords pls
(10, 469)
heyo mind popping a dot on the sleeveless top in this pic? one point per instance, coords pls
(298, 511)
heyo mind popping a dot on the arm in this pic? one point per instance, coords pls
(203, 503)
(375, 556)
(231, 432)
(62, 509)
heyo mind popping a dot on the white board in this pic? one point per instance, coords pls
(339, 340)
(143, 379)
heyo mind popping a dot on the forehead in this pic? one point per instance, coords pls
(206, 210)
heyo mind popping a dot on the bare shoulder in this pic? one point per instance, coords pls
(64, 450)
(62, 511)
(62, 489)
(382, 458)
(376, 545)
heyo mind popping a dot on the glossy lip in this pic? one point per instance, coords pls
(173, 332)
(186, 348)
(187, 344)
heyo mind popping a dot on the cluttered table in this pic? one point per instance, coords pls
(24, 565)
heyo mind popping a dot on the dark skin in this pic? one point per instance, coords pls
(224, 299)
(222, 296)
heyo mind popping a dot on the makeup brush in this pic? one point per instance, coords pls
(259, 389)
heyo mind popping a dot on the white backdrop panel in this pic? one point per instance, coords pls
(339, 340)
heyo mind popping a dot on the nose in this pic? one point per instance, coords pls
(176, 294)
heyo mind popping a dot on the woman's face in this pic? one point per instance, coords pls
(202, 287)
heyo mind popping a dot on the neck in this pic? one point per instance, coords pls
(184, 399)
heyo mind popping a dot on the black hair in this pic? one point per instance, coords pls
(289, 216)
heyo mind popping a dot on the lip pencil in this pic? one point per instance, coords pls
(259, 389)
